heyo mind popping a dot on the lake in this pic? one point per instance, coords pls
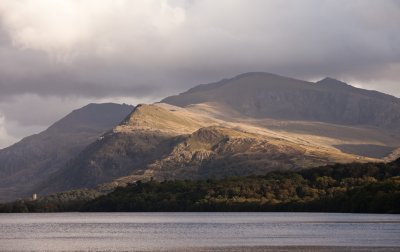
(199, 232)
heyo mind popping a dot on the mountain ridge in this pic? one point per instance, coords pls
(267, 95)
(250, 124)
(162, 141)
(34, 158)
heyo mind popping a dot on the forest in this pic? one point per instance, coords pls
(353, 188)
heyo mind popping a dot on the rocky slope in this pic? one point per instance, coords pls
(162, 141)
(264, 95)
(30, 161)
(353, 120)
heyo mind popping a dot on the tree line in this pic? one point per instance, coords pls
(355, 187)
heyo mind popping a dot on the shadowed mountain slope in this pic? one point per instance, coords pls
(34, 158)
(264, 95)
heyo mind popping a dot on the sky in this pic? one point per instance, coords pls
(59, 55)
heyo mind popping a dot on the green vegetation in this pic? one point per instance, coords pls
(372, 188)
(60, 202)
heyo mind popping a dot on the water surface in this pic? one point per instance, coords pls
(170, 231)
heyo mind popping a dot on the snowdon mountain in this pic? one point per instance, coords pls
(264, 95)
(251, 124)
(34, 158)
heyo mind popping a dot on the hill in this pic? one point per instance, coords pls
(162, 141)
(30, 161)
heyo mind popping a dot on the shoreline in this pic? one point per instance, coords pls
(292, 248)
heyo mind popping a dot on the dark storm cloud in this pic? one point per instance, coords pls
(91, 50)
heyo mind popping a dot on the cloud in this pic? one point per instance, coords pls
(89, 50)
(5, 138)
(68, 28)
(29, 114)
(138, 47)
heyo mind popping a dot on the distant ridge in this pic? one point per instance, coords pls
(264, 95)
(339, 85)
(34, 158)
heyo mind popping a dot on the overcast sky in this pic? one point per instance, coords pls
(58, 55)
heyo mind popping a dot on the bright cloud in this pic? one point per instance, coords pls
(5, 138)
(62, 27)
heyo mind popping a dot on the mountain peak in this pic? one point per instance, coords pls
(249, 77)
(251, 74)
(92, 116)
(264, 95)
(330, 79)
(160, 117)
(331, 82)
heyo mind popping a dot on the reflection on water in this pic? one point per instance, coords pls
(154, 231)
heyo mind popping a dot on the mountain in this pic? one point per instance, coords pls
(34, 158)
(251, 124)
(264, 95)
(353, 120)
(162, 141)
